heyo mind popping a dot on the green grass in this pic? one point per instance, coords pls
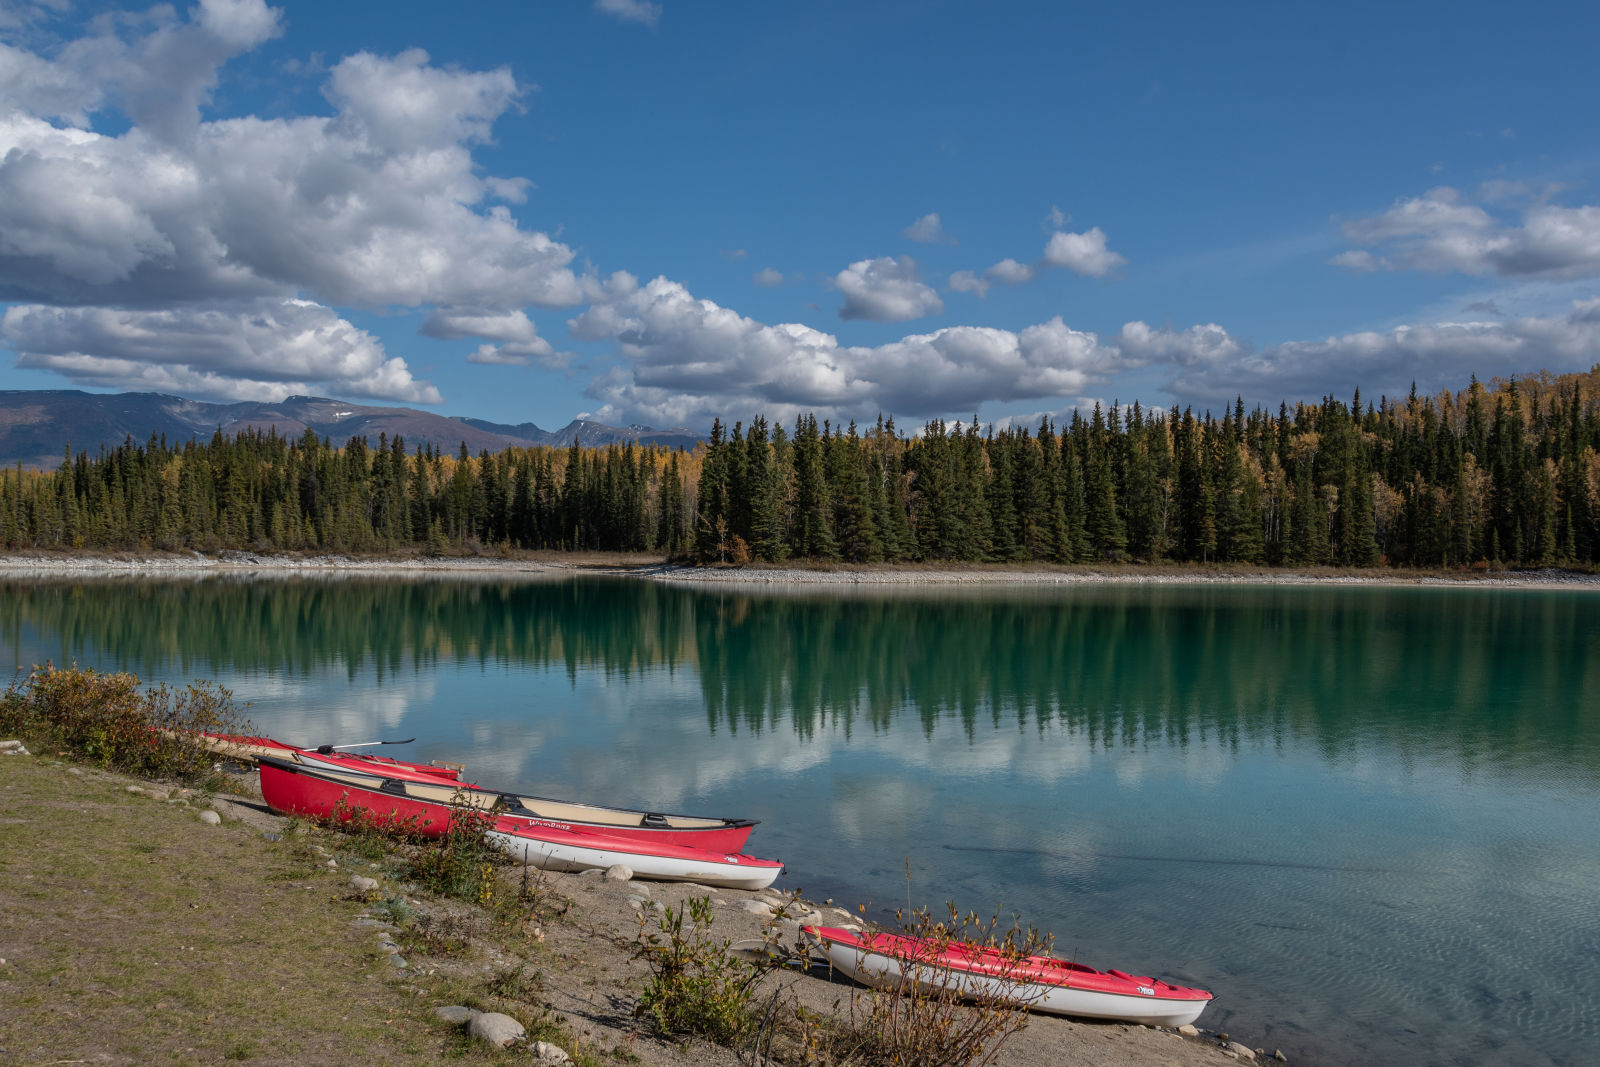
(133, 928)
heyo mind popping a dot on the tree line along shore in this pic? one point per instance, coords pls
(1506, 473)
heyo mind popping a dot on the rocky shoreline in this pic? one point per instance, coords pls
(251, 564)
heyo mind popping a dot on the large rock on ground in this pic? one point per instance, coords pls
(496, 1029)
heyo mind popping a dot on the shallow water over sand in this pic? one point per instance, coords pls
(1368, 818)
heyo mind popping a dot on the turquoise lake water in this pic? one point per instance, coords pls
(1367, 818)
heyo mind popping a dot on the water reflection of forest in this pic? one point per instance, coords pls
(1490, 676)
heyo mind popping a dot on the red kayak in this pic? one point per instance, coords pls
(1040, 983)
(298, 789)
(250, 748)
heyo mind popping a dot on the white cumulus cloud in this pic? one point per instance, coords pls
(1082, 253)
(1211, 366)
(885, 290)
(964, 281)
(928, 230)
(1442, 231)
(260, 352)
(687, 360)
(1009, 272)
(519, 342)
(377, 205)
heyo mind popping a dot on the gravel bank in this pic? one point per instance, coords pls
(248, 564)
(1540, 579)
(195, 564)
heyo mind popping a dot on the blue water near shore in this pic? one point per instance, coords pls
(1368, 818)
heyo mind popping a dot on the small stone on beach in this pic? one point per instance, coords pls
(210, 818)
(455, 1014)
(496, 1029)
(546, 1053)
(618, 872)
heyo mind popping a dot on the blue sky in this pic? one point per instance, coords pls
(662, 212)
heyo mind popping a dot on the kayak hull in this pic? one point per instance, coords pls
(1040, 983)
(554, 849)
(426, 807)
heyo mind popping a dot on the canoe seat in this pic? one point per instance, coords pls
(654, 819)
(513, 804)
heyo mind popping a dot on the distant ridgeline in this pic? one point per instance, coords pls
(1504, 473)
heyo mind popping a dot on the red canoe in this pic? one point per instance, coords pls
(1041, 983)
(297, 789)
(553, 849)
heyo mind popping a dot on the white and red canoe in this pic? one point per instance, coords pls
(250, 748)
(551, 848)
(1040, 983)
(299, 789)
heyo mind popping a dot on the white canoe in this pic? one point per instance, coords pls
(552, 848)
(1040, 983)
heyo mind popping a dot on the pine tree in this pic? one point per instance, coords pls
(811, 535)
(711, 508)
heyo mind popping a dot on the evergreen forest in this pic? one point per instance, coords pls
(1506, 473)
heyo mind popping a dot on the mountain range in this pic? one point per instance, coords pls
(38, 425)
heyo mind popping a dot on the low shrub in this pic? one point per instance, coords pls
(462, 862)
(696, 986)
(107, 720)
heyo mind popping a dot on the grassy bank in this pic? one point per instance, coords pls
(137, 931)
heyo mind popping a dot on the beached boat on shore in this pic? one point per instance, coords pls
(551, 848)
(1041, 983)
(298, 789)
(250, 748)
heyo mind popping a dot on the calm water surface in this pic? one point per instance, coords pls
(1368, 818)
